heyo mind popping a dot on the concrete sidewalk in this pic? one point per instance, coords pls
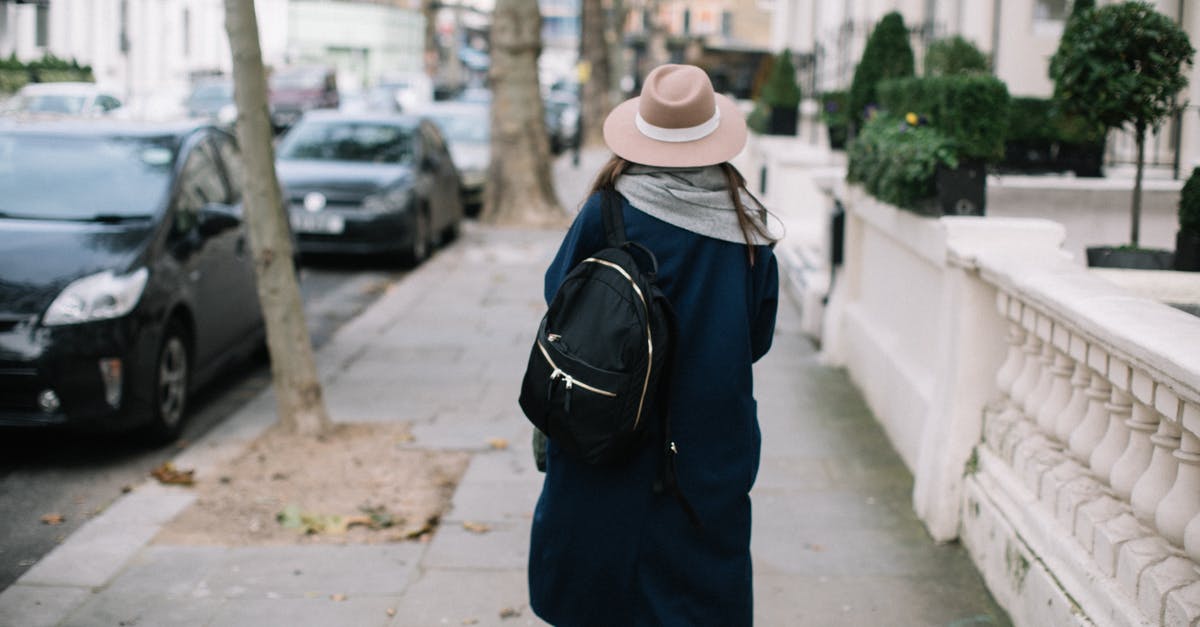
(835, 540)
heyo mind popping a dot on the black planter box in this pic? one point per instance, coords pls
(1187, 251)
(962, 191)
(1129, 258)
(837, 136)
(782, 121)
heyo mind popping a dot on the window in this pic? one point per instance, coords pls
(41, 37)
(235, 173)
(1050, 10)
(199, 184)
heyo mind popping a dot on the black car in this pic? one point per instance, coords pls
(126, 280)
(369, 184)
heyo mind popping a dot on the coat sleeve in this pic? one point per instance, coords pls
(585, 237)
(762, 329)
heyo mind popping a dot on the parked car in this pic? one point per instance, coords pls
(125, 276)
(64, 99)
(369, 184)
(212, 100)
(294, 90)
(466, 128)
(562, 120)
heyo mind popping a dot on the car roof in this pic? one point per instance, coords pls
(102, 128)
(62, 88)
(401, 119)
(454, 107)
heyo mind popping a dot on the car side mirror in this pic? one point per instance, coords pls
(215, 218)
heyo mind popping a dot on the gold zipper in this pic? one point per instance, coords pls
(568, 379)
(649, 340)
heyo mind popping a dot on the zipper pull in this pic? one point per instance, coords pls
(567, 398)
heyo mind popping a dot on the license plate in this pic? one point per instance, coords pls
(324, 223)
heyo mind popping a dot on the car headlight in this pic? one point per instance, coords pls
(474, 177)
(386, 202)
(100, 296)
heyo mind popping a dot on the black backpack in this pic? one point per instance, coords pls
(599, 370)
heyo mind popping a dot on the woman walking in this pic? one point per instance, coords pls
(606, 548)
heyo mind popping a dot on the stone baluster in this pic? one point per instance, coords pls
(1076, 408)
(1154, 484)
(1007, 375)
(1190, 417)
(1182, 501)
(1060, 393)
(1134, 462)
(1116, 435)
(1036, 398)
(1030, 367)
(1087, 435)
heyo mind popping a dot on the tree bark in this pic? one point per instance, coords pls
(519, 188)
(596, 93)
(1136, 217)
(429, 12)
(293, 372)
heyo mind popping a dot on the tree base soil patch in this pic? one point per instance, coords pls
(358, 484)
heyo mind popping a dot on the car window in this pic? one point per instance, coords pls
(235, 171)
(53, 103)
(339, 140)
(108, 103)
(471, 128)
(62, 177)
(199, 184)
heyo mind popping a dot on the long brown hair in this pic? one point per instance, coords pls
(616, 166)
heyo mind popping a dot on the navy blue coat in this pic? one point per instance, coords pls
(605, 549)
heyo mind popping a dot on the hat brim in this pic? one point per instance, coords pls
(626, 141)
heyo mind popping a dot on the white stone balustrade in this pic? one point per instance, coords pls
(1081, 504)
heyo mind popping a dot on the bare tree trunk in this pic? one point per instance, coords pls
(596, 100)
(1136, 219)
(519, 188)
(294, 374)
(656, 40)
(429, 12)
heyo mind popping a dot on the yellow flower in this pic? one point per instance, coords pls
(911, 118)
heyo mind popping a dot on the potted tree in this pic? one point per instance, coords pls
(836, 114)
(1187, 240)
(780, 97)
(886, 55)
(1121, 65)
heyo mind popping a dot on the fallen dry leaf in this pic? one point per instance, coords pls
(167, 473)
(470, 621)
(498, 444)
(476, 527)
(337, 597)
(406, 438)
(53, 519)
(509, 612)
(126, 489)
(391, 611)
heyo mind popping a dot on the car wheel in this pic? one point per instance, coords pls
(420, 247)
(171, 378)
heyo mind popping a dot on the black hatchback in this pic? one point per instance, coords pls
(126, 279)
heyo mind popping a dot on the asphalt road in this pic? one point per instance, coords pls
(77, 476)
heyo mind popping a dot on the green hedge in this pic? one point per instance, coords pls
(896, 161)
(970, 110)
(15, 74)
(1040, 119)
(954, 55)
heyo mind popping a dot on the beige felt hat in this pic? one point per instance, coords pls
(677, 122)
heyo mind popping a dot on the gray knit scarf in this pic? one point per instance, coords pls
(695, 199)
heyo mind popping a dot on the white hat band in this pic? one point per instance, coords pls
(676, 135)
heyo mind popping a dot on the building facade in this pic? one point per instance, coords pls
(1019, 36)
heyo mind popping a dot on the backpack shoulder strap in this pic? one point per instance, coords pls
(614, 220)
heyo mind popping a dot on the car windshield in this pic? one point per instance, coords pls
(53, 103)
(373, 142)
(213, 93)
(83, 178)
(463, 127)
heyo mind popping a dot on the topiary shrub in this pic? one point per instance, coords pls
(835, 112)
(779, 100)
(886, 55)
(1122, 64)
(954, 55)
(1189, 204)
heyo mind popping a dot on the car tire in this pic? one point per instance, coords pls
(422, 240)
(172, 375)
